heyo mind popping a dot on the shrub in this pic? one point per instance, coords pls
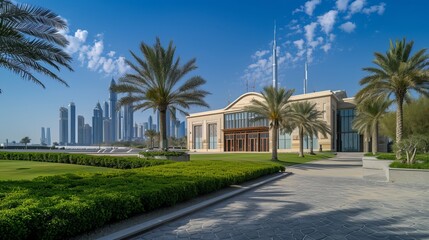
(62, 206)
(83, 159)
(150, 154)
(411, 146)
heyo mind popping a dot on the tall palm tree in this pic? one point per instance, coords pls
(30, 41)
(153, 84)
(396, 73)
(274, 107)
(151, 134)
(305, 117)
(369, 114)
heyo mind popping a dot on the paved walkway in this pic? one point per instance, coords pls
(323, 200)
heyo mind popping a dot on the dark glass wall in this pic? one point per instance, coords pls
(243, 120)
(348, 140)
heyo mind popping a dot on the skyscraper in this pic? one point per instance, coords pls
(87, 135)
(106, 109)
(128, 122)
(80, 129)
(63, 126)
(182, 130)
(42, 137)
(97, 125)
(150, 122)
(48, 136)
(72, 123)
(106, 130)
(115, 125)
(120, 135)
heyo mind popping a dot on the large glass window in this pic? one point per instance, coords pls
(198, 137)
(285, 141)
(212, 130)
(307, 142)
(243, 120)
(348, 140)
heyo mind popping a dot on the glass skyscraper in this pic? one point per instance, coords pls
(97, 125)
(114, 124)
(80, 129)
(72, 108)
(63, 126)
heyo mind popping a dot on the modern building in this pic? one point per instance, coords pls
(115, 124)
(128, 122)
(231, 129)
(72, 108)
(87, 135)
(107, 131)
(63, 140)
(48, 136)
(97, 125)
(43, 137)
(106, 110)
(80, 129)
(150, 122)
(182, 129)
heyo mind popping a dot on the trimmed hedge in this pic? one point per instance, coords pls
(63, 206)
(162, 153)
(83, 159)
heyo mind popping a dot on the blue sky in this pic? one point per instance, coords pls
(231, 41)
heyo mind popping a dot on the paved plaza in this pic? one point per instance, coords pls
(323, 200)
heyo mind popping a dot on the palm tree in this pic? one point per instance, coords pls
(396, 73)
(30, 41)
(154, 84)
(274, 107)
(151, 134)
(25, 140)
(368, 117)
(305, 117)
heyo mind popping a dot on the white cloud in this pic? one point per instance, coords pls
(348, 27)
(326, 47)
(342, 5)
(309, 31)
(327, 21)
(379, 9)
(92, 55)
(259, 54)
(332, 37)
(356, 7)
(299, 43)
(310, 6)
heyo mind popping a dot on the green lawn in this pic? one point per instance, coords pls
(27, 170)
(286, 159)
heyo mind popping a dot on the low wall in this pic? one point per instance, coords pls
(409, 176)
(369, 164)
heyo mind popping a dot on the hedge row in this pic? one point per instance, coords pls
(83, 159)
(162, 153)
(63, 206)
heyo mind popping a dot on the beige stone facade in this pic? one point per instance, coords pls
(214, 131)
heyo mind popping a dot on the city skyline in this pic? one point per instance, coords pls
(229, 40)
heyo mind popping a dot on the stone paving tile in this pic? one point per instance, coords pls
(314, 203)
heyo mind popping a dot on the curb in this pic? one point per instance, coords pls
(146, 226)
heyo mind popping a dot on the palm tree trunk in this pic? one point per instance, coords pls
(375, 140)
(274, 143)
(311, 144)
(399, 121)
(162, 129)
(301, 142)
